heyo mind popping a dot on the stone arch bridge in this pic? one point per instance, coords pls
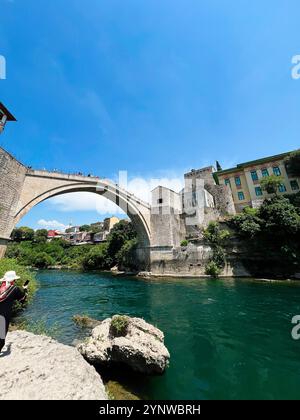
(22, 188)
(161, 226)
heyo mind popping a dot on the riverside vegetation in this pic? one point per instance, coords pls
(32, 249)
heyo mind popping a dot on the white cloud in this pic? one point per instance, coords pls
(85, 201)
(51, 224)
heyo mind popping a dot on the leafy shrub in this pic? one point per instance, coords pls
(217, 238)
(271, 183)
(247, 223)
(273, 233)
(214, 235)
(119, 326)
(42, 260)
(292, 163)
(212, 269)
(184, 243)
(126, 257)
(119, 235)
(279, 216)
(96, 258)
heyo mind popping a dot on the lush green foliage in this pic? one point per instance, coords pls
(214, 235)
(118, 250)
(295, 200)
(126, 257)
(96, 257)
(274, 232)
(184, 243)
(271, 183)
(293, 164)
(22, 234)
(84, 228)
(212, 269)
(119, 235)
(217, 239)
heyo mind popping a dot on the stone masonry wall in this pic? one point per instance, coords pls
(12, 176)
(223, 198)
(190, 261)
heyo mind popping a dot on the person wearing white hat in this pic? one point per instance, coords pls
(9, 294)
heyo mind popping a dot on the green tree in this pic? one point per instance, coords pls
(97, 258)
(42, 260)
(292, 163)
(41, 235)
(248, 224)
(271, 183)
(126, 257)
(215, 235)
(85, 228)
(22, 234)
(280, 217)
(120, 233)
(217, 239)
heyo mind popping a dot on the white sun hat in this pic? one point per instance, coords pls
(10, 276)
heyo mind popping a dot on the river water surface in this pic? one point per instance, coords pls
(228, 339)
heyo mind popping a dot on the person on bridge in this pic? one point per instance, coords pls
(9, 294)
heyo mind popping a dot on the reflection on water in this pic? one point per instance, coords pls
(227, 338)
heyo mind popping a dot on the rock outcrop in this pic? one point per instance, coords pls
(35, 367)
(139, 346)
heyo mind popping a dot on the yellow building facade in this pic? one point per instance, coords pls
(244, 180)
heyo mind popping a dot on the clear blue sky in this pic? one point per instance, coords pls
(149, 86)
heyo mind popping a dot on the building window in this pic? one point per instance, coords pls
(282, 188)
(241, 196)
(238, 181)
(227, 182)
(294, 185)
(160, 201)
(265, 172)
(254, 176)
(258, 192)
(276, 171)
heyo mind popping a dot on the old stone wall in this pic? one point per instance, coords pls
(191, 261)
(223, 198)
(166, 229)
(12, 176)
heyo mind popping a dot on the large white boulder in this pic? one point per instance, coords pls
(35, 367)
(141, 346)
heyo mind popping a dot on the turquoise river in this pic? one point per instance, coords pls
(228, 339)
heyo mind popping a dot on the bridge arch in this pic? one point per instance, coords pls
(41, 185)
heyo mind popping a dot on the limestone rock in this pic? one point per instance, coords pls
(38, 368)
(142, 346)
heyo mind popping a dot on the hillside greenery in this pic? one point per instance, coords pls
(271, 232)
(32, 249)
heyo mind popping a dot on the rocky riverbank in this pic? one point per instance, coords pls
(39, 368)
